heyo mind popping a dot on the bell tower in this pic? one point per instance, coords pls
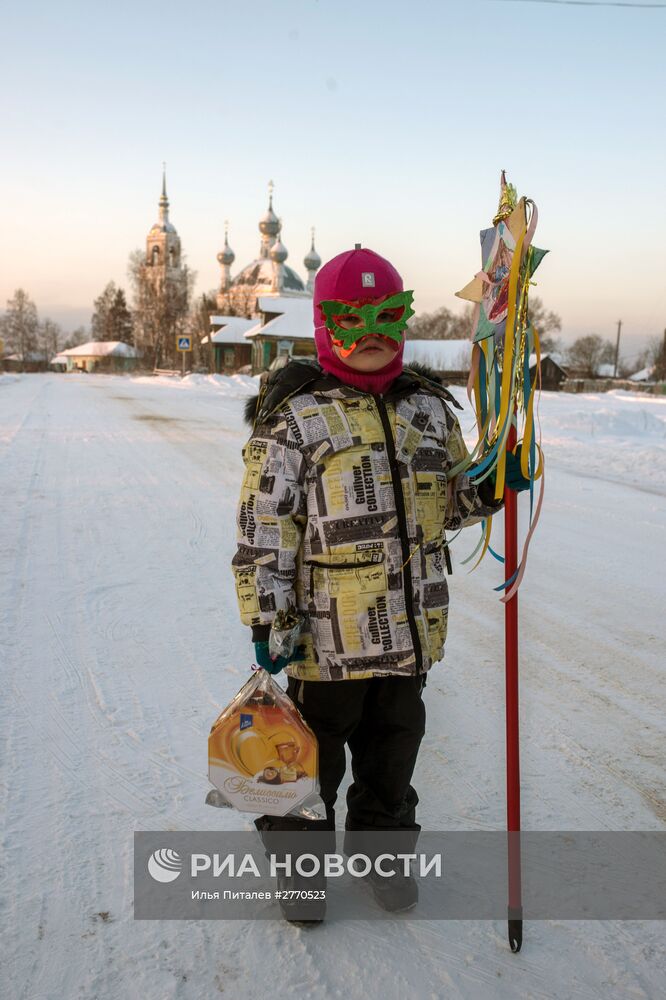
(163, 251)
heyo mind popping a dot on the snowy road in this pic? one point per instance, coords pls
(120, 643)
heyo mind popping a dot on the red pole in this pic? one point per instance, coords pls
(515, 912)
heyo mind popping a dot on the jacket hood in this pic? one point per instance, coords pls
(353, 276)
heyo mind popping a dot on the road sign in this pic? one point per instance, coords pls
(184, 343)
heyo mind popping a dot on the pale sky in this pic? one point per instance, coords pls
(382, 123)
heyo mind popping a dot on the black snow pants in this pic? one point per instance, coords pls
(382, 720)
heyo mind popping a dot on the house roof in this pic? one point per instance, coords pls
(28, 356)
(644, 375)
(606, 371)
(294, 321)
(232, 329)
(101, 349)
(280, 303)
(556, 359)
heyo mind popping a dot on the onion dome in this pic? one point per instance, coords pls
(279, 252)
(312, 260)
(226, 256)
(269, 224)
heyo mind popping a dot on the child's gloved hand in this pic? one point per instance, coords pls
(513, 476)
(265, 660)
(274, 666)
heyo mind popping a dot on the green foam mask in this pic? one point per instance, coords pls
(349, 324)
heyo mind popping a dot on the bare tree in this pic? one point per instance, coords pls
(199, 327)
(587, 353)
(20, 324)
(160, 310)
(442, 324)
(76, 338)
(656, 357)
(241, 300)
(49, 335)
(547, 323)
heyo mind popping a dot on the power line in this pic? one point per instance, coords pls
(588, 3)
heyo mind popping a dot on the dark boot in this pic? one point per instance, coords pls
(302, 898)
(305, 910)
(395, 893)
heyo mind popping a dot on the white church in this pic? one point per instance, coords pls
(265, 311)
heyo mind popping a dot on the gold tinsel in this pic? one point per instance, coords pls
(508, 200)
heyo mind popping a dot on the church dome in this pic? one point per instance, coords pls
(162, 227)
(269, 224)
(312, 260)
(279, 252)
(260, 274)
(226, 256)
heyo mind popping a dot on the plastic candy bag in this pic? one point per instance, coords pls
(262, 756)
(284, 633)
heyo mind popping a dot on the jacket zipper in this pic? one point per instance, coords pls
(359, 565)
(402, 528)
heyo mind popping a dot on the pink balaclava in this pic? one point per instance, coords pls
(342, 278)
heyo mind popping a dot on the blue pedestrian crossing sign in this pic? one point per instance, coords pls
(184, 343)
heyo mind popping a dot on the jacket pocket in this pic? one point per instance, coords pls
(362, 562)
(350, 609)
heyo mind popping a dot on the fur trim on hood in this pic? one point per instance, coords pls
(296, 375)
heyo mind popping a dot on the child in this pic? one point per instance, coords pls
(342, 516)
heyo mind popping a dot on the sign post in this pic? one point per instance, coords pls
(184, 345)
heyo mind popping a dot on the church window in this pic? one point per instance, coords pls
(156, 255)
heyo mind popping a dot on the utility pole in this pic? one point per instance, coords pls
(617, 347)
(209, 333)
(659, 370)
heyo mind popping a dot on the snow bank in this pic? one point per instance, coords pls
(619, 435)
(234, 386)
(442, 355)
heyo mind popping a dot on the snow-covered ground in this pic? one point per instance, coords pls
(120, 644)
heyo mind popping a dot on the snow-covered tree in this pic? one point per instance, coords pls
(76, 337)
(49, 336)
(20, 324)
(160, 309)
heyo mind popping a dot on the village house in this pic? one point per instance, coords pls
(101, 356)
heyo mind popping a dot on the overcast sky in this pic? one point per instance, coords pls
(380, 122)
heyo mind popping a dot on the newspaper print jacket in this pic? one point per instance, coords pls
(343, 511)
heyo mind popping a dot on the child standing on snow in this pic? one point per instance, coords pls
(342, 518)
